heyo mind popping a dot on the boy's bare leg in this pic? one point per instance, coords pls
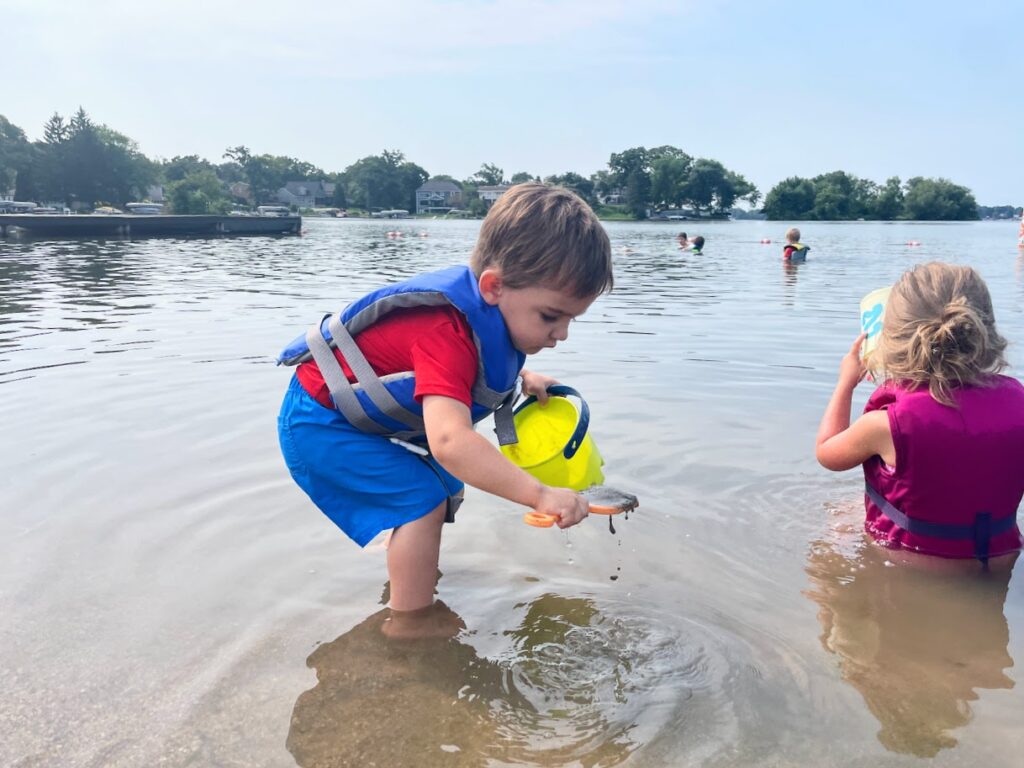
(413, 554)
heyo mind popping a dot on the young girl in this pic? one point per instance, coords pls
(942, 440)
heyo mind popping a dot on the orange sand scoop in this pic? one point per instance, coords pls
(603, 500)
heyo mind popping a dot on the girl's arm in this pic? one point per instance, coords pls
(841, 445)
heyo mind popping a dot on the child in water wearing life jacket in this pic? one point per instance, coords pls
(794, 250)
(941, 441)
(697, 245)
(431, 356)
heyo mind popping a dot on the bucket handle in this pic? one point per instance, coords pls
(576, 439)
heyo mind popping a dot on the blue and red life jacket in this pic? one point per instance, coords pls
(384, 405)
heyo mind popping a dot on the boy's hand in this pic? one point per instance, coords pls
(537, 384)
(568, 506)
(851, 369)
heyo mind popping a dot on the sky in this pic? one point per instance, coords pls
(771, 88)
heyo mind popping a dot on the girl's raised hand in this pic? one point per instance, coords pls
(851, 369)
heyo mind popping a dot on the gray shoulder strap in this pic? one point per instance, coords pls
(369, 380)
(344, 395)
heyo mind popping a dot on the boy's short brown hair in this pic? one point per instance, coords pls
(542, 235)
(793, 235)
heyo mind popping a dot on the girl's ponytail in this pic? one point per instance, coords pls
(939, 330)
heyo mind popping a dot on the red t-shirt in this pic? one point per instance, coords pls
(434, 342)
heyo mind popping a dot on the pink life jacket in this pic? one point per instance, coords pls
(959, 474)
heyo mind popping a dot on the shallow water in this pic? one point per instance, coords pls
(167, 594)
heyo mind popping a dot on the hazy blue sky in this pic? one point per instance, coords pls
(772, 89)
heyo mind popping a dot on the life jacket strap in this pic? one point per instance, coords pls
(504, 422)
(980, 531)
(343, 393)
(369, 380)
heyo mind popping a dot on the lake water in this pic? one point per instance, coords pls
(168, 596)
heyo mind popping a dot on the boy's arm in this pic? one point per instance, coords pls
(471, 458)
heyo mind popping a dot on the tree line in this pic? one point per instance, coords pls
(82, 164)
(842, 196)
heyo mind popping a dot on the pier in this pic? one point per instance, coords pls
(147, 226)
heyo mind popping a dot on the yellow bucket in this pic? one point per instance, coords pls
(554, 445)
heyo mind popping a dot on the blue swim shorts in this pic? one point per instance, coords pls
(364, 483)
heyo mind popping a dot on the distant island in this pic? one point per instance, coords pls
(81, 165)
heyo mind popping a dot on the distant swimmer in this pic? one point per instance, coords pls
(697, 245)
(683, 240)
(794, 250)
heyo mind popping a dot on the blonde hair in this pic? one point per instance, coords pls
(939, 330)
(542, 235)
(793, 235)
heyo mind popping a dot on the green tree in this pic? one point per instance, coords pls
(889, 200)
(180, 166)
(239, 154)
(387, 180)
(198, 192)
(56, 131)
(89, 163)
(581, 185)
(490, 175)
(669, 174)
(230, 171)
(842, 196)
(938, 200)
(631, 171)
(15, 154)
(471, 197)
(711, 186)
(266, 174)
(734, 187)
(792, 198)
(604, 183)
(519, 178)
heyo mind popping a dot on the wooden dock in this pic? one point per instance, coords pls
(146, 226)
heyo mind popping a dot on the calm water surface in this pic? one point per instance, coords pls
(168, 596)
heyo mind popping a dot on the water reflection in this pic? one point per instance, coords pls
(551, 699)
(790, 271)
(916, 644)
(14, 298)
